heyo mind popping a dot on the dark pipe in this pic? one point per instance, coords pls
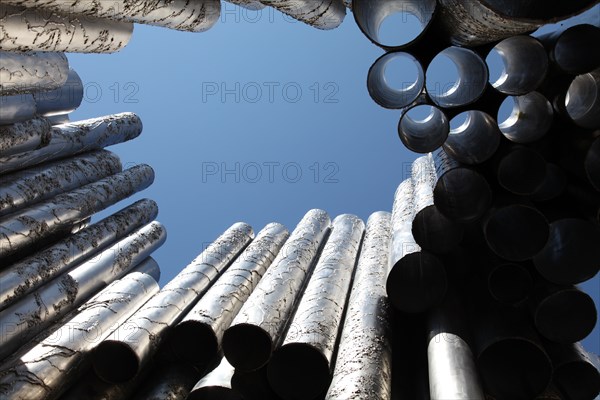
(423, 128)
(592, 164)
(475, 140)
(554, 184)
(574, 371)
(508, 283)
(530, 119)
(582, 101)
(521, 170)
(574, 50)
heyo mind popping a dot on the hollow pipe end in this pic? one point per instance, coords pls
(194, 342)
(115, 362)
(247, 347)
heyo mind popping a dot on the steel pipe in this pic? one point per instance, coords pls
(582, 100)
(24, 136)
(575, 373)
(592, 164)
(563, 314)
(172, 381)
(573, 50)
(22, 320)
(382, 85)
(24, 228)
(24, 72)
(571, 254)
(257, 329)
(321, 14)
(524, 65)
(460, 193)
(30, 186)
(198, 337)
(430, 228)
(253, 385)
(417, 279)
(63, 100)
(380, 20)
(554, 184)
(423, 128)
(78, 137)
(508, 283)
(136, 342)
(216, 385)
(16, 108)
(49, 368)
(38, 269)
(59, 119)
(302, 366)
(530, 119)
(521, 170)
(363, 367)
(475, 140)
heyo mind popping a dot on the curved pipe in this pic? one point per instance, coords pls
(466, 87)
(475, 140)
(216, 385)
(524, 65)
(16, 108)
(575, 374)
(24, 136)
(320, 14)
(574, 50)
(592, 164)
(370, 15)
(571, 254)
(63, 100)
(423, 133)
(384, 92)
(254, 333)
(24, 72)
(521, 170)
(530, 119)
(553, 186)
(582, 101)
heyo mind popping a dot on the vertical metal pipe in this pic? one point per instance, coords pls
(363, 367)
(582, 100)
(22, 320)
(321, 14)
(24, 136)
(385, 93)
(475, 140)
(78, 137)
(198, 337)
(423, 128)
(131, 347)
(216, 385)
(302, 366)
(49, 368)
(417, 279)
(571, 253)
(25, 29)
(255, 332)
(30, 186)
(521, 170)
(24, 72)
(62, 100)
(575, 373)
(16, 108)
(530, 119)
(24, 228)
(573, 50)
(38, 269)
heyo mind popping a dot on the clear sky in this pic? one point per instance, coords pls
(259, 119)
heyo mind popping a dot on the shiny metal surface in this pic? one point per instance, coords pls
(582, 101)
(257, 329)
(302, 366)
(363, 367)
(133, 345)
(78, 137)
(32, 30)
(475, 140)
(387, 95)
(169, 381)
(216, 385)
(197, 338)
(38, 269)
(62, 100)
(49, 367)
(530, 119)
(575, 373)
(16, 108)
(423, 135)
(321, 14)
(25, 72)
(24, 136)
(23, 228)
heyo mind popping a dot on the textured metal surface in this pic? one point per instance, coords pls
(78, 137)
(255, 332)
(197, 338)
(530, 119)
(321, 14)
(216, 385)
(24, 29)
(24, 136)
(121, 356)
(25, 72)
(363, 367)
(387, 95)
(45, 370)
(575, 372)
(16, 108)
(423, 135)
(23, 228)
(27, 187)
(169, 381)
(25, 318)
(582, 100)
(475, 140)
(62, 100)
(30, 273)
(302, 366)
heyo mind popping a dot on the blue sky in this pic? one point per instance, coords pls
(259, 119)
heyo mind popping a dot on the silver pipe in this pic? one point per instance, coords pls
(388, 95)
(172, 381)
(582, 101)
(131, 347)
(417, 279)
(22, 320)
(38, 269)
(521, 170)
(371, 15)
(530, 119)
(149, 267)
(30, 186)
(216, 385)
(198, 337)
(475, 140)
(41, 372)
(16, 108)
(78, 137)
(363, 367)
(182, 15)
(423, 128)
(571, 253)
(460, 193)
(573, 50)
(24, 72)
(254, 333)
(525, 63)
(59, 119)
(24, 228)
(321, 14)
(430, 228)
(62, 100)
(253, 5)
(302, 366)
(554, 184)
(592, 164)
(24, 136)
(26, 29)
(575, 373)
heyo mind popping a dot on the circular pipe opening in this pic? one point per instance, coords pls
(462, 195)
(387, 80)
(576, 49)
(434, 232)
(194, 342)
(510, 283)
(115, 362)
(522, 171)
(247, 347)
(469, 81)
(530, 118)
(423, 128)
(582, 101)
(475, 138)
(578, 380)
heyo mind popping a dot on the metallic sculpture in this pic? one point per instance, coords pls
(26, 72)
